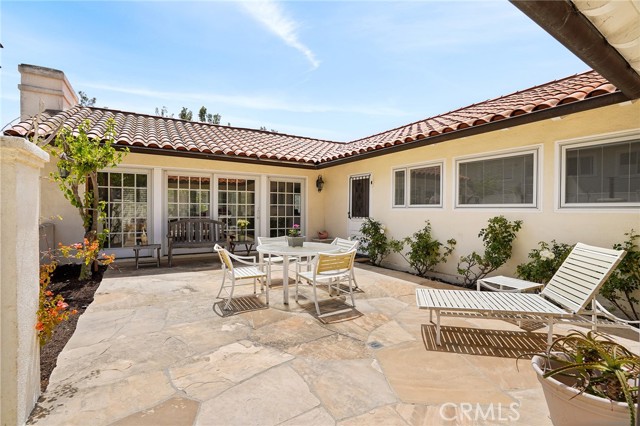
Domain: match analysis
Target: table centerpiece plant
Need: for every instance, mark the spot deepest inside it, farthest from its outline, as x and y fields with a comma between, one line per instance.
x=295, y=239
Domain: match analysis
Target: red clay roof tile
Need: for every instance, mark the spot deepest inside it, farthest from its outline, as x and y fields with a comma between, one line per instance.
x=164, y=133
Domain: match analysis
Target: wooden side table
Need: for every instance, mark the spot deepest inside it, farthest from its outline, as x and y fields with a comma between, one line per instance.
x=156, y=247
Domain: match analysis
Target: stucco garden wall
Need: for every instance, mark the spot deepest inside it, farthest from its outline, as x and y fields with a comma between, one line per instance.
x=20, y=163
x=593, y=226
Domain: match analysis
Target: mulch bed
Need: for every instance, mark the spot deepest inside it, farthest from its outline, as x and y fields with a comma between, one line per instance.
x=78, y=294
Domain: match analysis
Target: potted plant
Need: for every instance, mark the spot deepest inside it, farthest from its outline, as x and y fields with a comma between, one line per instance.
x=243, y=224
x=588, y=379
x=295, y=239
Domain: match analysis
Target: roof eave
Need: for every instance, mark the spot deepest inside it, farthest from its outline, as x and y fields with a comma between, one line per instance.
x=571, y=28
x=544, y=114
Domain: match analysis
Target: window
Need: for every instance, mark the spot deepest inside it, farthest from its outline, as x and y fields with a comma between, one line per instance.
x=188, y=196
x=285, y=206
x=507, y=180
x=125, y=195
x=237, y=200
x=601, y=174
x=423, y=184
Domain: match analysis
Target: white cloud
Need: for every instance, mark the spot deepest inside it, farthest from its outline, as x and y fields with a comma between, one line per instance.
x=249, y=102
x=274, y=18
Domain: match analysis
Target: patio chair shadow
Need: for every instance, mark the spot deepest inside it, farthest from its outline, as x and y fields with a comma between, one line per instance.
x=239, y=305
x=338, y=309
x=484, y=342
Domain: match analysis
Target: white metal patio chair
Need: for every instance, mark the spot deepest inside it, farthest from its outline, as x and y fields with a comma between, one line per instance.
x=271, y=260
x=348, y=245
x=568, y=296
x=329, y=269
x=250, y=270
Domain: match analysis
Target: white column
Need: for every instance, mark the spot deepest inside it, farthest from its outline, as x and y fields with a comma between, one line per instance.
x=20, y=164
x=157, y=209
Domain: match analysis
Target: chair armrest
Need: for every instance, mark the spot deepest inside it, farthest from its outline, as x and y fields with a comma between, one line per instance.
x=244, y=259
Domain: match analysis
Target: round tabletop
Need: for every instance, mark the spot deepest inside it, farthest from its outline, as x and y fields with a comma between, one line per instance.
x=307, y=249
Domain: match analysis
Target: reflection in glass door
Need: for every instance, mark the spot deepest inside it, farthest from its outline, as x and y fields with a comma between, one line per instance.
x=188, y=196
x=285, y=206
x=237, y=204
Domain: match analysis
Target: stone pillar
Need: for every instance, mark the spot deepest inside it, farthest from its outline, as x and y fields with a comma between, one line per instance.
x=20, y=164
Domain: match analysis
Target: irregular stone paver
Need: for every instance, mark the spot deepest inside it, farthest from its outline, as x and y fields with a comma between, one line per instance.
x=151, y=338
x=269, y=398
x=209, y=375
x=346, y=388
x=175, y=411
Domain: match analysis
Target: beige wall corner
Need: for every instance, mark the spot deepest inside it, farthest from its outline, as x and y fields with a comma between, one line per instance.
x=20, y=164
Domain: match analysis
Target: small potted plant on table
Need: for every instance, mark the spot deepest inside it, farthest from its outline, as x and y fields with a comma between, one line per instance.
x=242, y=224
x=295, y=239
x=588, y=379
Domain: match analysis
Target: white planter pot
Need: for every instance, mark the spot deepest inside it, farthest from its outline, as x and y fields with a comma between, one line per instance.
x=569, y=407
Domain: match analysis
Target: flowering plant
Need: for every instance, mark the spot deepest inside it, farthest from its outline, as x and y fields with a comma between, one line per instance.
x=242, y=223
x=88, y=252
x=52, y=309
x=544, y=261
x=295, y=230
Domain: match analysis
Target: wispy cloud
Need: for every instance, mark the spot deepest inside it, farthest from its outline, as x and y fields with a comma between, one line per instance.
x=266, y=103
x=274, y=18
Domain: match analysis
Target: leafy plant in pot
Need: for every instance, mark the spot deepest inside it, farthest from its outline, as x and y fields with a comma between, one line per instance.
x=588, y=379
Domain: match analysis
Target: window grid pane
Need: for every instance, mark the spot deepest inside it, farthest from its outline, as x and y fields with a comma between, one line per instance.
x=285, y=208
x=398, y=187
x=125, y=195
x=424, y=184
x=236, y=201
x=185, y=199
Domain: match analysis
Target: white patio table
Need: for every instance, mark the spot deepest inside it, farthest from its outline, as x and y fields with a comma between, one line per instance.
x=308, y=249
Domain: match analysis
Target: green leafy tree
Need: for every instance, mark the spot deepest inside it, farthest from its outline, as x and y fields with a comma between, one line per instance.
x=625, y=279
x=185, y=114
x=202, y=114
x=85, y=100
x=497, y=239
x=425, y=252
x=163, y=112
x=80, y=159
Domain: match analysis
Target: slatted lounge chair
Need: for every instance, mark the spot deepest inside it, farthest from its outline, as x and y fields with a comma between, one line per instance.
x=568, y=295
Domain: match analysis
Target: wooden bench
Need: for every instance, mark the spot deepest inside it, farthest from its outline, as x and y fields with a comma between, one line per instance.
x=195, y=233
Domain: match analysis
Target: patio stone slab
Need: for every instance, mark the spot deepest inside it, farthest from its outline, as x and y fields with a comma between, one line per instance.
x=418, y=376
x=290, y=332
x=209, y=375
x=316, y=417
x=335, y=346
x=270, y=398
x=346, y=388
x=390, y=334
x=176, y=411
x=381, y=416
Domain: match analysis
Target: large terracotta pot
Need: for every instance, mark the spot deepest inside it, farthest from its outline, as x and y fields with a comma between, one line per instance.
x=569, y=407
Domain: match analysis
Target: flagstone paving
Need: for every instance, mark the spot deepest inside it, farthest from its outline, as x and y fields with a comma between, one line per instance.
x=155, y=348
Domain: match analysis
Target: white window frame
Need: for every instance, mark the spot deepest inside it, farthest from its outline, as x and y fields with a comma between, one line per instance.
x=537, y=153
x=597, y=140
x=407, y=185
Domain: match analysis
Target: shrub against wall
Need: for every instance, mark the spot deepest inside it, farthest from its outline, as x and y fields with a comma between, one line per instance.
x=425, y=252
x=625, y=279
x=374, y=241
x=544, y=262
x=497, y=239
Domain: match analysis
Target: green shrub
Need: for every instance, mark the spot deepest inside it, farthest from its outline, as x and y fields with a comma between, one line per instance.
x=497, y=239
x=625, y=279
x=425, y=252
x=544, y=263
x=375, y=242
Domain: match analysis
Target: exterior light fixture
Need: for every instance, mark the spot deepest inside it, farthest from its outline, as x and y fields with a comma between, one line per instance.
x=63, y=171
x=319, y=183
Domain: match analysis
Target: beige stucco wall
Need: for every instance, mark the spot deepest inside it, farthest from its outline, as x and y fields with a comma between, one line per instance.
x=328, y=209
x=20, y=162
x=593, y=226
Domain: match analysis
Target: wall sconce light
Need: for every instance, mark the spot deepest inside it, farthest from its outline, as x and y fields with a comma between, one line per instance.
x=319, y=183
x=63, y=171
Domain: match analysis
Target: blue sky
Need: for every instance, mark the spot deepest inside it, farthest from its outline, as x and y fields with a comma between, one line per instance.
x=337, y=70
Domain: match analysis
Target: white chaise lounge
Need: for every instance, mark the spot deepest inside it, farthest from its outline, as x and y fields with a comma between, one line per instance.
x=569, y=295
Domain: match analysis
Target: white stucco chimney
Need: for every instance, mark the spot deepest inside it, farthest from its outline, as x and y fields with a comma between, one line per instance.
x=44, y=84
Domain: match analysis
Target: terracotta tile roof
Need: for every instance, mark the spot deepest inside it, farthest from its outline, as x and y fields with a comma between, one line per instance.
x=162, y=133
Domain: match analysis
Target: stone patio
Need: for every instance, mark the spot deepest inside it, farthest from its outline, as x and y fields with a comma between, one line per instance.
x=155, y=348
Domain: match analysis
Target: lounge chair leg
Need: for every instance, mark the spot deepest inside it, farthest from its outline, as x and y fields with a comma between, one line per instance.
x=438, y=328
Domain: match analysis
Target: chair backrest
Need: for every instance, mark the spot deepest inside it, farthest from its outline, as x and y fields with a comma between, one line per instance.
x=330, y=263
x=268, y=240
x=224, y=257
x=345, y=245
x=581, y=275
